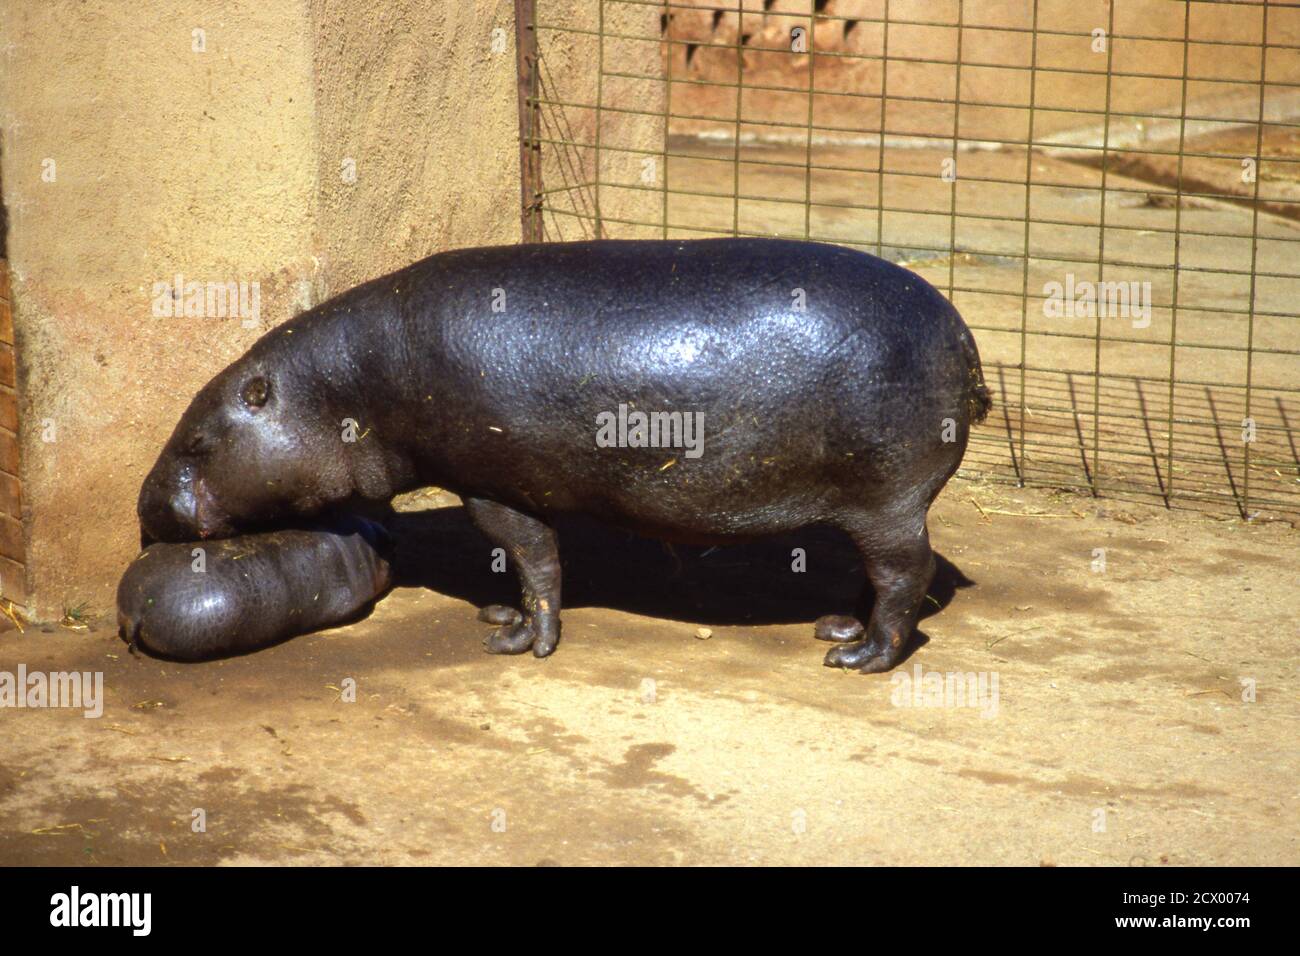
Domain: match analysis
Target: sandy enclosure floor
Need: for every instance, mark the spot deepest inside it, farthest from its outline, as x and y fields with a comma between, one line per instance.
x=1121, y=731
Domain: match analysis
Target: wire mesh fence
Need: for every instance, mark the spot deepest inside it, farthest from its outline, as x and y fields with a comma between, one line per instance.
x=1108, y=192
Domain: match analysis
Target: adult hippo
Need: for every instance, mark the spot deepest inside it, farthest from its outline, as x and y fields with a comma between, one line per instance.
x=702, y=391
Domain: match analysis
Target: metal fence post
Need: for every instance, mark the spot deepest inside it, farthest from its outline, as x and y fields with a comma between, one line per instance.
x=530, y=154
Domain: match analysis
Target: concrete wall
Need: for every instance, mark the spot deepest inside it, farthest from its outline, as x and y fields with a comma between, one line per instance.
x=13, y=567
x=135, y=149
x=415, y=95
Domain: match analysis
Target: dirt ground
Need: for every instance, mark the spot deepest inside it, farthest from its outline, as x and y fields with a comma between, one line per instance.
x=1121, y=728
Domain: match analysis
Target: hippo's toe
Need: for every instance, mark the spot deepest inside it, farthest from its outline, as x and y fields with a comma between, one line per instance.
x=539, y=632
x=499, y=614
x=511, y=639
x=839, y=628
x=868, y=657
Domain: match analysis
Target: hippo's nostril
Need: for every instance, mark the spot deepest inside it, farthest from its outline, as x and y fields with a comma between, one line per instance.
x=198, y=444
x=166, y=515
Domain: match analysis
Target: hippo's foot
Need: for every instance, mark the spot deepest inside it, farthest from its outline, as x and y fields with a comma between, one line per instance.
x=531, y=543
x=499, y=614
x=899, y=566
x=516, y=633
x=852, y=651
x=868, y=657
x=839, y=628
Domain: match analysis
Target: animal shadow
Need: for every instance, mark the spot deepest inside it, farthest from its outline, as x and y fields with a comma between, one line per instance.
x=750, y=583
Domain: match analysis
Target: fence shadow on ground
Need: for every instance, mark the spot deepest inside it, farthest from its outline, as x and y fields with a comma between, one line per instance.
x=1119, y=436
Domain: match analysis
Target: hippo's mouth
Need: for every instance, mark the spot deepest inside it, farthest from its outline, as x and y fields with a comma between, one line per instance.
x=209, y=518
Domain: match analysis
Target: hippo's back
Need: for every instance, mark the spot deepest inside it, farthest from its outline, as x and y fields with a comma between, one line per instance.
x=747, y=294
x=706, y=323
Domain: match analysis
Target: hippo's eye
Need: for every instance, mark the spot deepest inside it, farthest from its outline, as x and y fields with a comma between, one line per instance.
x=255, y=392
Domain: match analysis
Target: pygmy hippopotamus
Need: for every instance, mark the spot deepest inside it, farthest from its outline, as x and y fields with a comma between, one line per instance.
x=199, y=601
x=701, y=391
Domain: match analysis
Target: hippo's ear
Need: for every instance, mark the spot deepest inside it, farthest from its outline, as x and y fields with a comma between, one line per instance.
x=256, y=392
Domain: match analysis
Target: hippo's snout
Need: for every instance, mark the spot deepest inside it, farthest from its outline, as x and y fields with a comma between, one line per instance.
x=175, y=505
x=166, y=507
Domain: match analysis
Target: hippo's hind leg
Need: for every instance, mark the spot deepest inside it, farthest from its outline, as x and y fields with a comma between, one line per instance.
x=531, y=545
x=899, y=567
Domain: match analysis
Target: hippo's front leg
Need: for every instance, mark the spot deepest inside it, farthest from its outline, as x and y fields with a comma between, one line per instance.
x=532, y=546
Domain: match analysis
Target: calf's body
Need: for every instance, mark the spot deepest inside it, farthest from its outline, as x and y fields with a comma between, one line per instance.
x=197, y=601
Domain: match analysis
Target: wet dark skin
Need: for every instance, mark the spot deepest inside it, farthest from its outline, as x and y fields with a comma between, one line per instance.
x=253, y=590
x=835, y=388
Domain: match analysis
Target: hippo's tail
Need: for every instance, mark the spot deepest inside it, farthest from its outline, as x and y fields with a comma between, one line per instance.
x=979, y=398
x=128, y=629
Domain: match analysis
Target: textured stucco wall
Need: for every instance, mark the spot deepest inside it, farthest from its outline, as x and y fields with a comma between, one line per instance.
x=422, y=102
x=221, y=164
x=135, y=150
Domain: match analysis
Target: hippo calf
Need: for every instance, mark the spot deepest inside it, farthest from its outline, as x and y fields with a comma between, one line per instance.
x=244, y=593
x=823, y=386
